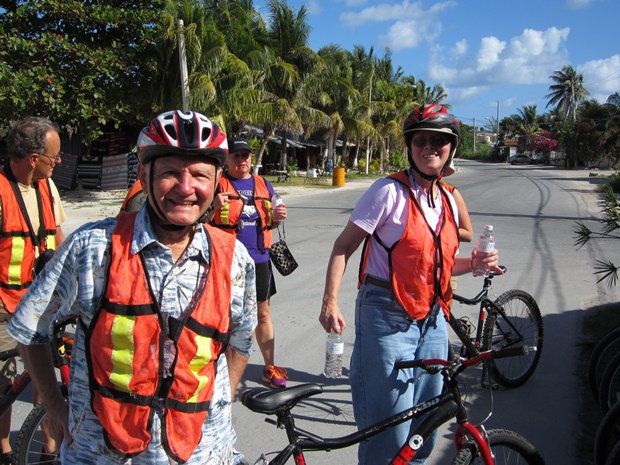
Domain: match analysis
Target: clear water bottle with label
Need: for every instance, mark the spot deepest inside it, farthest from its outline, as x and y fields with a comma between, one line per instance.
x=334, y=352
x=486, y=244
x=276, y=200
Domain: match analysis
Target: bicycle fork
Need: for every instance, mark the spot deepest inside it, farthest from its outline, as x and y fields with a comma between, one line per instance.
x=479, y=435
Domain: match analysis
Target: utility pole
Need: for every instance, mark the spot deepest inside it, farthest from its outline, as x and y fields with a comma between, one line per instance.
x=368, y=139
x=183, y=65
x=474, y=137
x=497, y=134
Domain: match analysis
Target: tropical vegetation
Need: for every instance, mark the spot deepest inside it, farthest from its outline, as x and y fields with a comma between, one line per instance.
x=94, y=64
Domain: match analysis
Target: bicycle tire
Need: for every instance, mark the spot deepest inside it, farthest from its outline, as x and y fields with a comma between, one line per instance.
x=508, y=448
x=609, y=388
x=614, y=456
x=29, y=443
x=524, y=314
x=607, y=435
x=603, y=352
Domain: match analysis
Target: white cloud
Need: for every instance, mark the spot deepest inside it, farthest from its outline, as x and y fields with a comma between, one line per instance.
x=460, y=48
x=601, y=77
x=525, y=59
x=576, y=4
x=488, y=55
x=411, y=23
x=408, y=34
x=314, y=7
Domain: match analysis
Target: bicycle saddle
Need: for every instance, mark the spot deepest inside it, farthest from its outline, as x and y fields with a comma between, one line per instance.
x=269, y=401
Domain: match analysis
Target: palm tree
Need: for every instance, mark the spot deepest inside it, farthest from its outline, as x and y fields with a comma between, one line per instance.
x=290, y=77
x=426, y=95
x=567, y=92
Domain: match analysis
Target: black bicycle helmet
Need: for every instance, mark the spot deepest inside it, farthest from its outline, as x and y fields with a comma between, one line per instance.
x=432, y=117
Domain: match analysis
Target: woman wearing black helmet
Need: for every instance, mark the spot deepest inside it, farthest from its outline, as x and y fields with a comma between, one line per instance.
x=410, y=227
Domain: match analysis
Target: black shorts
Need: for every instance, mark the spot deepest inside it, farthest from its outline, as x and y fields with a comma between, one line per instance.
x=265, y=282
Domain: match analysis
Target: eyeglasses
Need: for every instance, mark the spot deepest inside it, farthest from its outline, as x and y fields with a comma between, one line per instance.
x=434, y=141
x=241, y=155
x=56, y=158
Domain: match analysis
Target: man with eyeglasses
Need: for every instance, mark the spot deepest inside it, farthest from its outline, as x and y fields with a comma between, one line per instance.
x=30, y=217
x=243, y=206
x=409, y=225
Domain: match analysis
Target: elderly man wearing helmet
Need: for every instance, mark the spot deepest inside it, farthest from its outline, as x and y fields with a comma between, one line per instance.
x=409, y=224
x=166, y=308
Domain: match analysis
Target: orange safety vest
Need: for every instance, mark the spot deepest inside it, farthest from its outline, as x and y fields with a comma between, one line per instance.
x=421, y=261
x=134, y=190
x=125, y=350
x=228, y=217
x=17, y=248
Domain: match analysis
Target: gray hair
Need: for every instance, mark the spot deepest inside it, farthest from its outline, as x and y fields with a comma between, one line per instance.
x=29, y=136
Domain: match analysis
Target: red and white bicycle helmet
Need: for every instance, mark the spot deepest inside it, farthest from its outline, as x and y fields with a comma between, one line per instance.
x=182, y=133
x=433, y=117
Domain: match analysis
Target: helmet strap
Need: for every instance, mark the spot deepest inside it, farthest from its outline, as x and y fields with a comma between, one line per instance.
x=428, y=177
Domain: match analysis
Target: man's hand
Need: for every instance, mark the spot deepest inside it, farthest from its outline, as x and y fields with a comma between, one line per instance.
x=221, y=199
x=331, y=319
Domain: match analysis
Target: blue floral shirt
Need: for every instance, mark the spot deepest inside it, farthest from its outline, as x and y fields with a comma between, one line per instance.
x=71, y=285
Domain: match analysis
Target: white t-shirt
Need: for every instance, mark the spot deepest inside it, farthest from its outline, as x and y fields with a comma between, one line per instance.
x=383, y=208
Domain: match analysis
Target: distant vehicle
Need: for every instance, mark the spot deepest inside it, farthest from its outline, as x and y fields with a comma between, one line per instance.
x=539, y=158
x=520, y=159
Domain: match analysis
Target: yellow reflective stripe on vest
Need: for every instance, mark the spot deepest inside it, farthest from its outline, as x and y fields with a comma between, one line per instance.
x=50, y=242
x=224, y=212
x=200, y=360
x=122, y=355
x=17, y=257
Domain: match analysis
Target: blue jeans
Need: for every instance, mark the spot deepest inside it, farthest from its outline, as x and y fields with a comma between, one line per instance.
x=385, y=334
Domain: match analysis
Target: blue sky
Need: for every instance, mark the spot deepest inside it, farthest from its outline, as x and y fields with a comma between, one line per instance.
x=482, y=51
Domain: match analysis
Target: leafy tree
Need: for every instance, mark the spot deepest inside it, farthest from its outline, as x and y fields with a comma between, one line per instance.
x=593, y=136
x=82, y=64
x=567, y=92
x=544, y=143
x=288, y=79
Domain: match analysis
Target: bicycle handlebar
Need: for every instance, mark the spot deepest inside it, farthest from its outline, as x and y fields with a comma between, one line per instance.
x=432, y=364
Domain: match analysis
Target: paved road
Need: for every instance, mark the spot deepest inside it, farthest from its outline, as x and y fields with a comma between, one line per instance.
x=533, y=210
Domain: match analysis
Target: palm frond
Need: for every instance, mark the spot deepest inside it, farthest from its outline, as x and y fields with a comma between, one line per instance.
x=609, y=272
x=583, y=234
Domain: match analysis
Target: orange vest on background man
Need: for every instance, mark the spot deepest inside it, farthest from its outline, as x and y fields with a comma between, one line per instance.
x=228, y=217
x=125, y=349
x=17, y=249
x=420, y=261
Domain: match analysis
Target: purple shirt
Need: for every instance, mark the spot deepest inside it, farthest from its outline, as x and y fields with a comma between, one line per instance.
x=249, y=234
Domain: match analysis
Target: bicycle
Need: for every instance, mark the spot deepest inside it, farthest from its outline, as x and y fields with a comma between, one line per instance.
x=609, y=388
x=474, y=444
x=608, y=437
x=512, y=320
x=61, y=350
x=601, y=358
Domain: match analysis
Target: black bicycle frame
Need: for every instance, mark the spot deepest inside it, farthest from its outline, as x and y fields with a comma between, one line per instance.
x=442, y=408
x=482, y=297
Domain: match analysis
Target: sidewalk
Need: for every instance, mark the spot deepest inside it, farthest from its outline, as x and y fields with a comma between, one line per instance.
x=87, y=205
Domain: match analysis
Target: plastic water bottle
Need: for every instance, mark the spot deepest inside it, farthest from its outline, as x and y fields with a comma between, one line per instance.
x=276, y=200
x=486, y=244
x=334, y=351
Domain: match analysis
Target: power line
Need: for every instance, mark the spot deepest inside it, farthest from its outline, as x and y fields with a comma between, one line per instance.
x=602, y=79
